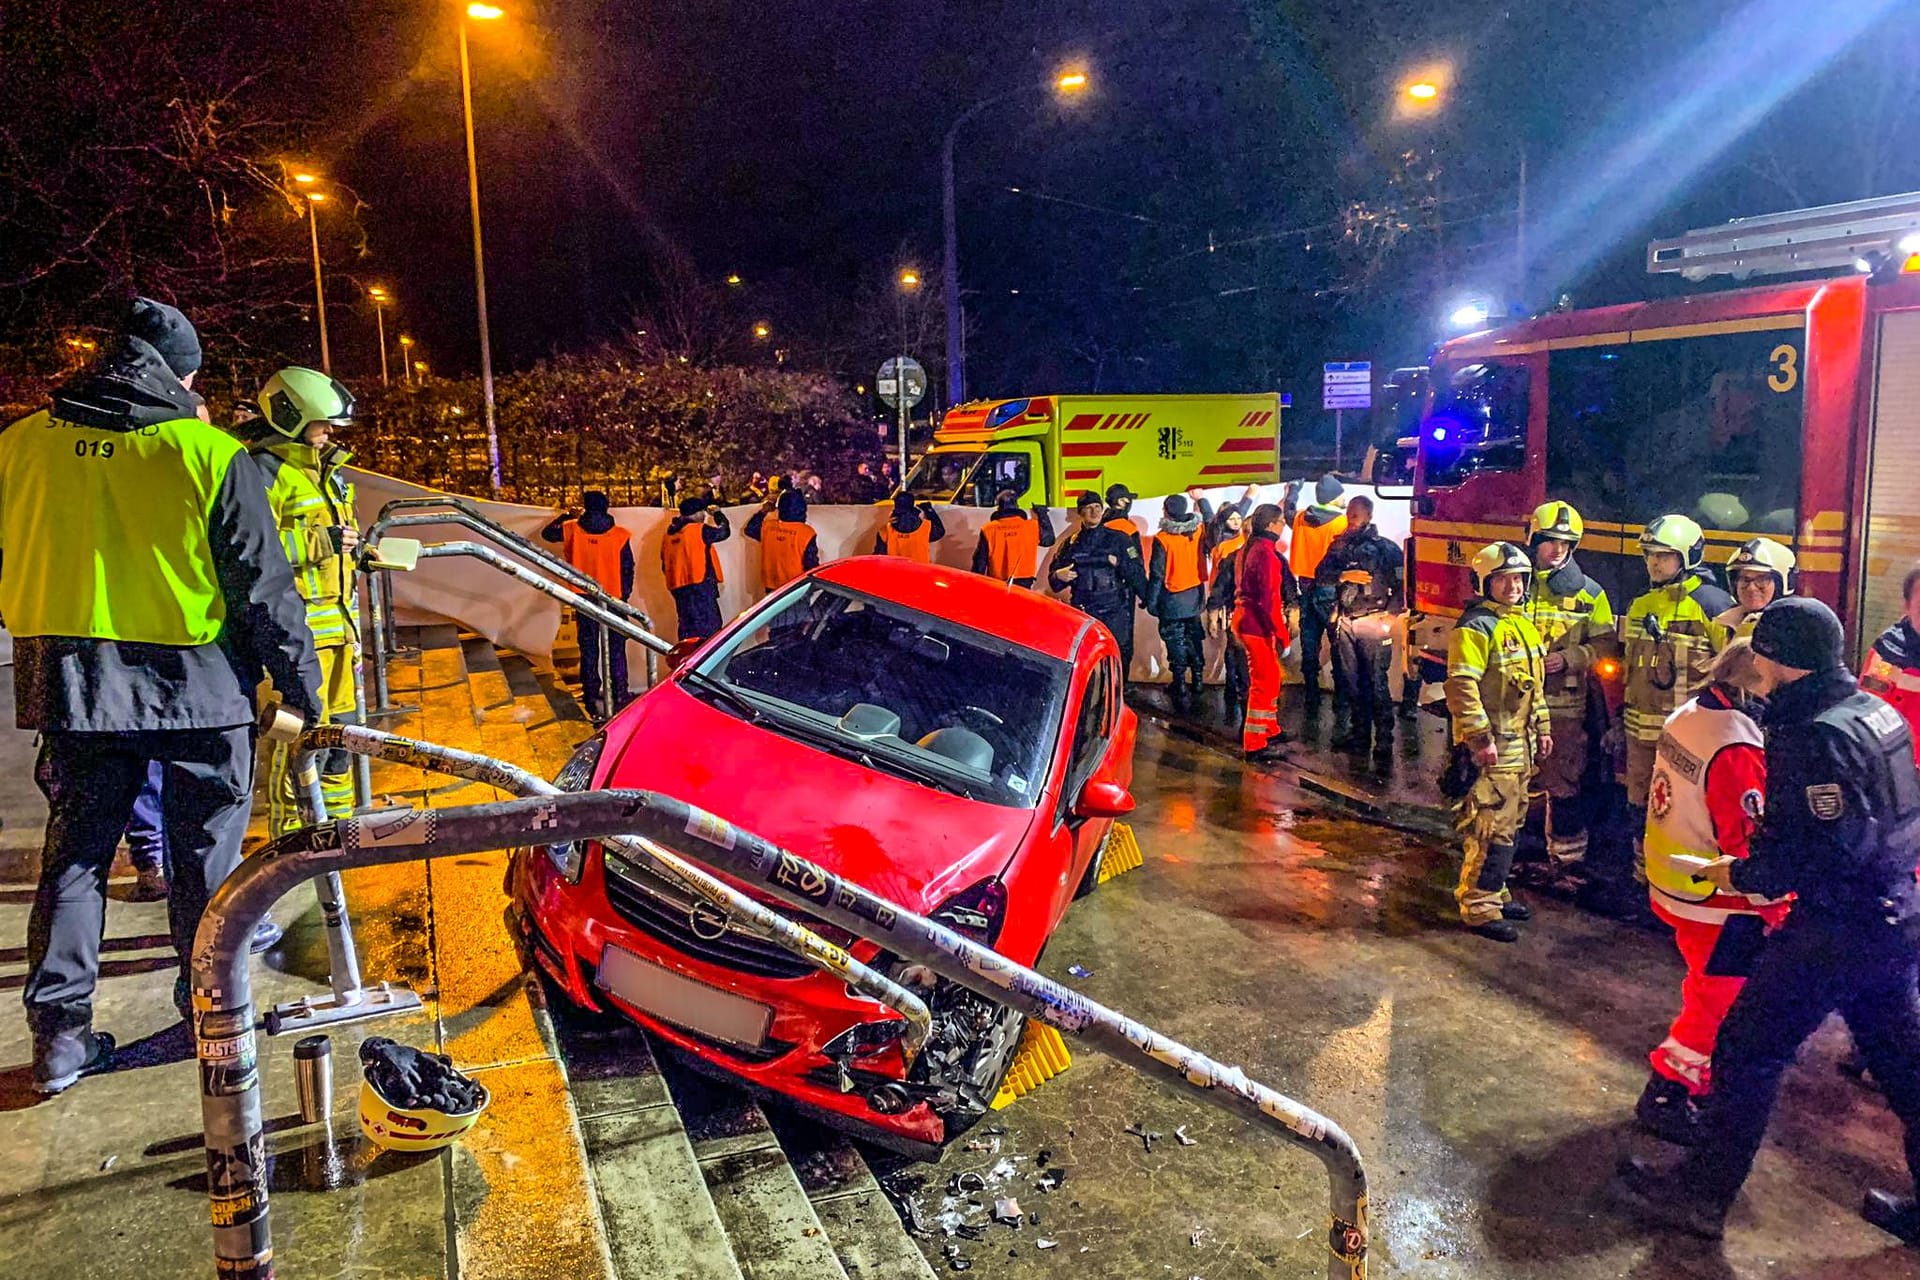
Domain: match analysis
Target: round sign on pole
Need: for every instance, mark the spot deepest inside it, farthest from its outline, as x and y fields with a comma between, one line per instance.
x=888, y=383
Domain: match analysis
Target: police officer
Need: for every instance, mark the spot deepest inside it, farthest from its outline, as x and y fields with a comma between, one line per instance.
x=1100, y=566
x=1841, y=832
x=146, y=591
x=692, y=568
x=1760, y=572
x=1364, y=570
x=1314, y=530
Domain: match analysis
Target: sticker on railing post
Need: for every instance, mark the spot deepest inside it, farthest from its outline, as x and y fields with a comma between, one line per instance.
x=706, y=826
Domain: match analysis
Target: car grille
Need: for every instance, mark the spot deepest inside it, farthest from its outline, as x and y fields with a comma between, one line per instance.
x=662, y=910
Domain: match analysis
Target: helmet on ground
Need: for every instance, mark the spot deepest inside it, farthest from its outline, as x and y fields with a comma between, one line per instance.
x=1497, y=558
x=1764, y=555
x=295, y=398
x=1556, y=520
x=1677, y=534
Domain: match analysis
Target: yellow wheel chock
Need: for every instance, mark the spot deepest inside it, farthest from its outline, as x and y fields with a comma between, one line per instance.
x=1122, y=854
x=1042, y=1055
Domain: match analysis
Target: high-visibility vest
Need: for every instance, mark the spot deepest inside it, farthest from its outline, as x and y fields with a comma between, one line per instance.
x=106, y=532
x=1678, y=821
x=1898, y=685
x=596, y=554
x=783, y=549
x=1013, y=547
x=1221, y=551
x=310, y=498
x=1184, y=569
x=1125, y=524
x=686, y=559
x=1310, y=542
x=916, y=546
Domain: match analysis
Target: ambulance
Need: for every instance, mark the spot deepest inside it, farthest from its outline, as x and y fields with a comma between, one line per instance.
x=1048, y=448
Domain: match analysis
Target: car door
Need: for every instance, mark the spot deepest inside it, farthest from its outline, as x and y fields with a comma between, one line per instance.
x=1092, y=733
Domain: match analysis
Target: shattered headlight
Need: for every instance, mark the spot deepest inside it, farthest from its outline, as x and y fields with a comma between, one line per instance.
x=575, y=775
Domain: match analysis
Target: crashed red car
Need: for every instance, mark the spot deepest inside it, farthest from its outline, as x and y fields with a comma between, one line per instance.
x=954, y=744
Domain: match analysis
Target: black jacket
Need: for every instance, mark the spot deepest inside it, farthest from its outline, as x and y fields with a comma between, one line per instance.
x=1363, y=550
x=1842, y=824
x=78, y=684
x=1106, y=563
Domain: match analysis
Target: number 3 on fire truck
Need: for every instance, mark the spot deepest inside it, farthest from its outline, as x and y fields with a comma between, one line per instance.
x=1786, y=368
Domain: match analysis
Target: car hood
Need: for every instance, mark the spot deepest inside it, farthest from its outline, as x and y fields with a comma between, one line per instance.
x=911, y=844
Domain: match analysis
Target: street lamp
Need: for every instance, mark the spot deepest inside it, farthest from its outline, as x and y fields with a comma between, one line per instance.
x=762, y=330
x=314, y=200
x=909, y=281
x=734, y=280
x=406, y=356
x=1425, y=93
x=381, y=298
x=1069, y=83
x=479, y=13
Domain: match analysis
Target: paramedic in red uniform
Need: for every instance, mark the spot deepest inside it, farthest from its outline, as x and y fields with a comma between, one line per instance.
x=1260, y=622
x=1893, y=664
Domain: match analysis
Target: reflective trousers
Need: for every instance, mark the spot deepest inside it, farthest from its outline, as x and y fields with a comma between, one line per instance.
x=339, y=705
x=1490, y=816
x=1686, y=1055
x=1563, y=777
x=1262, y=724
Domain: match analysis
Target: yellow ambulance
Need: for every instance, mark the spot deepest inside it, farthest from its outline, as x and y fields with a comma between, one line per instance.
x=1048, y=448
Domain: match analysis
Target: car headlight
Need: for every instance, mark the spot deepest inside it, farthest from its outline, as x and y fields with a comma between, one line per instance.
x=977, y=911
x=575, y=775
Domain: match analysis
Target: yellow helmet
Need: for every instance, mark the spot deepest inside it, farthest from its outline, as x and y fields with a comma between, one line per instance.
x=1557, y=520
x=1496, y=558
x=1675, y=533
x=394, y=1128
x=1764, y=555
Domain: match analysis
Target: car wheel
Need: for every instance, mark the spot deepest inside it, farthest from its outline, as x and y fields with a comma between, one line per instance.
x=990, y=1059
x=1091, y=881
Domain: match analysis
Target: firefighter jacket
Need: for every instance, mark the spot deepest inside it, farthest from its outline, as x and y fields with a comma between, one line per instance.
x=1364, y=570
x=1313, y=532
x=143, y=580
x=1739, y=622
x=1705, y=800
x=1893, y=673
x=1842, y=824
x=1010, y=542
x=1575, y=619
x=911, y=536
x=1108, y=575
x=687, y=557
x=1177, y=576
x=1261, y=607
x=1668, y=642
x=1494, y=676
x=312, y=500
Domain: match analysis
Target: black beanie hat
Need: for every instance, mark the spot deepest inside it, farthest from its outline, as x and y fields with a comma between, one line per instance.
x=1087, y=498
x=167, y=331
x=692, y=506
x=595, y=500
x=904, y=502
x=1800, y=632
x=1176, y=506
x=1119, y=493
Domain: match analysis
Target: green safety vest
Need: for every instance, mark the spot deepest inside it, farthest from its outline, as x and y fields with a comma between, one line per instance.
x=105, y=533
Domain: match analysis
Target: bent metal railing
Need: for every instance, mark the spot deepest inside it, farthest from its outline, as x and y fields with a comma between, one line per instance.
x=224, y=1014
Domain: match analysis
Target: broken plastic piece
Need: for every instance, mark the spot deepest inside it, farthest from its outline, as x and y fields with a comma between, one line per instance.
x=1007, y=1210
x=1044, y=1243
x=1147, y=1136
x=1079, y=971
x=1051, y=1179
x=1185, y=1141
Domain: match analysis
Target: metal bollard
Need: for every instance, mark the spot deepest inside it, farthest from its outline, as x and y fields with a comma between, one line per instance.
x=313, y=1078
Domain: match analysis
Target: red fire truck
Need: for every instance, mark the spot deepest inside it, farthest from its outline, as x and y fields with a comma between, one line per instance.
x=1790, y=410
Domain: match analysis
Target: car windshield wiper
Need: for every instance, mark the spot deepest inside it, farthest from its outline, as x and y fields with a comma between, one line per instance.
x=725, y=694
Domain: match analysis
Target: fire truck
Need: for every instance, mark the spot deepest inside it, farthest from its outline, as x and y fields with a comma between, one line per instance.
x=1788, y=409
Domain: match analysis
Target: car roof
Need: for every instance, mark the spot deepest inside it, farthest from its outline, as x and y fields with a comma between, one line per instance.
x=987, y=605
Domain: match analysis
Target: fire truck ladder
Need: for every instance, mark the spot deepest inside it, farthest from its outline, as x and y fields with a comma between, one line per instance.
x=1860, y=234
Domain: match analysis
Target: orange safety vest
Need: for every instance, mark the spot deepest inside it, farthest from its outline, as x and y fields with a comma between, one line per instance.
x=685, y=558
x=1184, y=570
x=1222, y=550
x=1013, y=548
x=783, y=549
x=596, y=554
x=1310, y=543
x=916, y=546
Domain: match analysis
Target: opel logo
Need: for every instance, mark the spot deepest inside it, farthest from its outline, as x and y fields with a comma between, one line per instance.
x=708, y=922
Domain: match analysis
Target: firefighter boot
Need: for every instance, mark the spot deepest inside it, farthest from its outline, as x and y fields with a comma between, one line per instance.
x=1668, y=1112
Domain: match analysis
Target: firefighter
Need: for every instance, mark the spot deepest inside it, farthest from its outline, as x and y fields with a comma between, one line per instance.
x=910, y=531
x=1260, y=623
x=1495, y=670
x=603, y=551
x=1176, y=593
x=1668, y=640
x=1893, y=664
x=313, y=506
x=1575, y=619
x=1709, y=783
x=692, y=567
x=788, y=545
x=145, y=589
x=1223, y=571
x=1010, y=541
x=1365, y=570
x=1314, y=530
x=1100, y=566
x=1841, y=833
x=1760, y=572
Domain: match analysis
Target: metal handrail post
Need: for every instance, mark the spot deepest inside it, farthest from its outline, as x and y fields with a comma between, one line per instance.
x=343, y=962
x=583, y=604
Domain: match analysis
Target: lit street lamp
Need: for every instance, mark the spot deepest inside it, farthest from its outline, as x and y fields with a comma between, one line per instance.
x=762, y=331
x=1424, y=94
x=1068, y=84
x=909, y=281
x=380, y=300
x=479, y=13
x=314, y=200
x=406, y=356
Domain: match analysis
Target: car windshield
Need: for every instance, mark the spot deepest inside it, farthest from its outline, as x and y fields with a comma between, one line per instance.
x=939, y=476
x=894, y=689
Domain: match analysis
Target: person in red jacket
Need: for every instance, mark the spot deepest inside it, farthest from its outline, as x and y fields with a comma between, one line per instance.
x=1893, y=664
x=1260, y=622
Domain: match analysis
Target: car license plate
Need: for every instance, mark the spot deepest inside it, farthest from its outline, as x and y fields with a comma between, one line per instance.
x=684, y=1001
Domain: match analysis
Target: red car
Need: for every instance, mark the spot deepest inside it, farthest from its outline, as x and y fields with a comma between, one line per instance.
x=925, y=732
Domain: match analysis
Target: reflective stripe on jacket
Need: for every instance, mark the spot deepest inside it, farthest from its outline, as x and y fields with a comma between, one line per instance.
x=310, y=498
x=1705, y=799
x=1668, y=641
x=1494, y=674
x=1574, y=618
x=1893, y=673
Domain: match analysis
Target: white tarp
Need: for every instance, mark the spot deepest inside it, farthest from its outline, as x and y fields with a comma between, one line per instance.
x=490, y=604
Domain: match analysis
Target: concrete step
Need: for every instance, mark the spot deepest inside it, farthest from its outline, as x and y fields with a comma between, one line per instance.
x=867, y=1234
x=774, y=1231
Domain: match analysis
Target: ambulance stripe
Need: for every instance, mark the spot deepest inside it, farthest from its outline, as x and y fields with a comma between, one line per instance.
x=1239, y=469
x=1083, y=422
x=1249, y=444
x=1091, y=449
x=1141, y=420
x=1246, y=420
x=1083, y=475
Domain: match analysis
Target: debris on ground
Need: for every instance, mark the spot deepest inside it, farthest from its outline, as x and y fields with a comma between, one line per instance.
x=108, y=1163
x=991, y=1146
x=1147, y=1136
x=1044, y=1243
x=1079, y=971
x=961, y=1184
x=1005, y=1168
x=956, y=1261
x=1051, y=1179
x=1006, y=1211
x=1185, y=1141
x=1199, y=1237
x=1044, y=1157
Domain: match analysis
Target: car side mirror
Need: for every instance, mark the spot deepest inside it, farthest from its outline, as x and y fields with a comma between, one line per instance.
x=1103, y=798
x=682, y=651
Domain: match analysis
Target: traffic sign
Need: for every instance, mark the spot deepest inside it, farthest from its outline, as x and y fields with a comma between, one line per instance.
x=1346, y=384
x=888, y=383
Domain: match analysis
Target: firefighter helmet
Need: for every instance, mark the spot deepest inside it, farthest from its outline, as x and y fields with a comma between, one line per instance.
x=1764, y=555
x=1497, y=558
x=1677, y=534
x=295, y=398
x=1557, y=520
